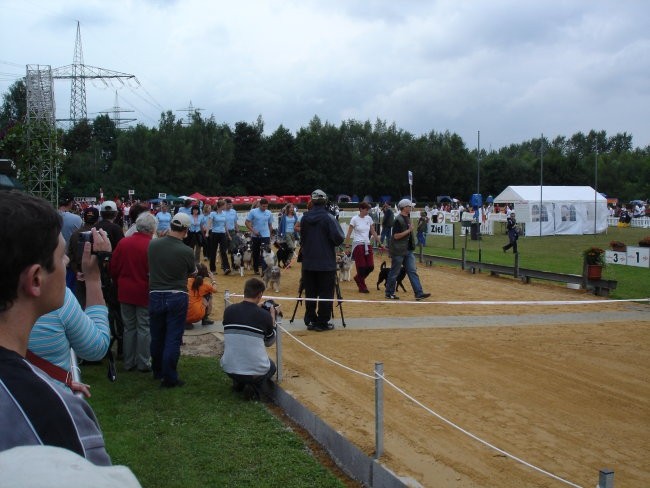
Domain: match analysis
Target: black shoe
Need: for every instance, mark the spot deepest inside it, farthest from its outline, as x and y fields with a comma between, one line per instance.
x=423, y=296
x=322, y=327
x=189, y=326
x=227, y=271
x=169, y=384
x=392, y=297
x=364, y=291
x=207, y=322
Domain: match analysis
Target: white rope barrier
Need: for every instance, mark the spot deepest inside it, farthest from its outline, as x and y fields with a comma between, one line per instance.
x=432, y=412
x=457, y=302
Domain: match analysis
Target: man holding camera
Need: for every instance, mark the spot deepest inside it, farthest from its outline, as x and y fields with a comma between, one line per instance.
x=320, y=234
x=248, y=330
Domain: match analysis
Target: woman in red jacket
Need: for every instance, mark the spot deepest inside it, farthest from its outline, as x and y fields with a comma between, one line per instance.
x=129, y=269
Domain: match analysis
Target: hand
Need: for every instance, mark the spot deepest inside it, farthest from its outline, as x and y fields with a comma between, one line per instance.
x=89, y=266
x=80, y=387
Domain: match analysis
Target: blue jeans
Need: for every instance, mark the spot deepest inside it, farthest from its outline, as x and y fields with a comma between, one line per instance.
x=409, y=264
x=386, y=232
x=167, y=313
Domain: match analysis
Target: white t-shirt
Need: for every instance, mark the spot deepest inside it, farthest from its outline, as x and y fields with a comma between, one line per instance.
x=361, y=228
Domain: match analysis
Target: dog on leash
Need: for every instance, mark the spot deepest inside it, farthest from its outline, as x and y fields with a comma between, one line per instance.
x=237, y=260
x=383, y=276
x=247, y=257
x=284, y=253
x=272, y=276
x=344, y=265
x=269, y=257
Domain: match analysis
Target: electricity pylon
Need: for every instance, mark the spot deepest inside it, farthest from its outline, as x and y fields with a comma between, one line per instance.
x=78, y=73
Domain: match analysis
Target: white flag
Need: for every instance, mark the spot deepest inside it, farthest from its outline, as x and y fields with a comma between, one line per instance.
x=410, y=177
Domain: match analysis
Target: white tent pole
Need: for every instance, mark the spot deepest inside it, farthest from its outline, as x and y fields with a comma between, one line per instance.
x=541, y=185
x=596, y=188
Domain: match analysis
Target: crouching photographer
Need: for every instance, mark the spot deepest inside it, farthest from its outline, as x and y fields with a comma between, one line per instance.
x=248, y=330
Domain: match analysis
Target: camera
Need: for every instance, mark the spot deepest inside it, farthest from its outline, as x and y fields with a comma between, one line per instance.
x=83, y=238
x=270, y=303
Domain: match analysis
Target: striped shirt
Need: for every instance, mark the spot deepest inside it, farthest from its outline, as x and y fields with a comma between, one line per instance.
x=68, y=327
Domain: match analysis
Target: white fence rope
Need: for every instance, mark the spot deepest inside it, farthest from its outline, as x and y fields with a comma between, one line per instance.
x=456, y=302
x=432, y=412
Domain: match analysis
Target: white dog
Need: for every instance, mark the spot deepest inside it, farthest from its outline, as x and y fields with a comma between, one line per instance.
x=269, y=257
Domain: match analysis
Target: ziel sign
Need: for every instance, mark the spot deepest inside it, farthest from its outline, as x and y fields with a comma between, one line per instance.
x=442, y=229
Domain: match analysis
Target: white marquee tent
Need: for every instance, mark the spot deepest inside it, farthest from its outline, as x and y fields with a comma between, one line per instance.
x=557, y=210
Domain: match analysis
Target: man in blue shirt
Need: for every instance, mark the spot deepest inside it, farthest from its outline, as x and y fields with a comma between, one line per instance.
x=260, y=224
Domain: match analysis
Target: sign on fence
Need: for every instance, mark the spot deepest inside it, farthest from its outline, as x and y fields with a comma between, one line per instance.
x=442, y=229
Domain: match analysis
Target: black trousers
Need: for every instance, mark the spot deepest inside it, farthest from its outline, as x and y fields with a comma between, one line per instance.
x=318, y=284
x=218, y=240
x=256, y=248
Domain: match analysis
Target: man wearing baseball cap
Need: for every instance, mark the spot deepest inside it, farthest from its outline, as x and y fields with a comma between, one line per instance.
x=171, y=262
x=320, y=233
x=402, y=245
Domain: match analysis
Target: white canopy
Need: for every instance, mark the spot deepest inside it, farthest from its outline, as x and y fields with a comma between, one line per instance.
x=551, y=210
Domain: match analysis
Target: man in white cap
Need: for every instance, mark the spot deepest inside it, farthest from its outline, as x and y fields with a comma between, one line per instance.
x=402, y=245
x=171, y=262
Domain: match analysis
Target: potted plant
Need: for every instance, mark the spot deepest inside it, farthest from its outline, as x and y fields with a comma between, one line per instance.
x=594, y=258
x=618, y=246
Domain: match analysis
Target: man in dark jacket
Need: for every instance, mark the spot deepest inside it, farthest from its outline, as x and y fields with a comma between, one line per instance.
x=320, y=233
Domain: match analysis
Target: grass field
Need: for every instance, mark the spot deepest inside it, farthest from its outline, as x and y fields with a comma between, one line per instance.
x=560, y=254
x=201, y=435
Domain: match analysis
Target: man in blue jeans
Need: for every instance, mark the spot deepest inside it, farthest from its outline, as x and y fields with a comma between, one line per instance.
x=171, y=262
x=402, y=245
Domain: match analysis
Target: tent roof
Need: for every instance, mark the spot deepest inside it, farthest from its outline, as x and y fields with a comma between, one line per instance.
x=525, y=194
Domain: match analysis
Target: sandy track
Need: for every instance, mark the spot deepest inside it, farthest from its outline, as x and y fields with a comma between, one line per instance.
x=568, y=398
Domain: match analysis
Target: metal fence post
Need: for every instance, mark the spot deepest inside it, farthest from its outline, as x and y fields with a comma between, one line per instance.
x=606, y=478
x=379, y=410
x=278, y=349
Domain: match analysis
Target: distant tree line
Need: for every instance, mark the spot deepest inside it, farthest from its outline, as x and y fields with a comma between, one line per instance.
x=355, y=157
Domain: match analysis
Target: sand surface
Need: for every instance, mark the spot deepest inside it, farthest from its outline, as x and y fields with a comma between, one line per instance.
x=569, y=397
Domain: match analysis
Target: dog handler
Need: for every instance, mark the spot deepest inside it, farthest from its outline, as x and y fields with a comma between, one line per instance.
x=360, y=228
x=402, y=245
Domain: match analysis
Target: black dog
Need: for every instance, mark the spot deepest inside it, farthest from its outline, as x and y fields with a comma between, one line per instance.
x=283, y=253
x=383, y=276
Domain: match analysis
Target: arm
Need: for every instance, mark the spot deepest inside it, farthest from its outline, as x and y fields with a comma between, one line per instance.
x=88, y=332
x=397, y=234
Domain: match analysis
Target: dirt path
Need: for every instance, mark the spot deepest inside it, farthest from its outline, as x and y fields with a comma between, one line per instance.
x=570, y=398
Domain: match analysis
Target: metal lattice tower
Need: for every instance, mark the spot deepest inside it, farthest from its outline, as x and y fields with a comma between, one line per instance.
x=119, y=121
x=78, y=73
x=42, y=169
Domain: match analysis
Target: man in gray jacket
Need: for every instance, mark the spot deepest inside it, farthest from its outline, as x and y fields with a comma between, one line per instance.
x=320, y=233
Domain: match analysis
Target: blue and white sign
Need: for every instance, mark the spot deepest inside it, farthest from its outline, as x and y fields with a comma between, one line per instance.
x=442, y=229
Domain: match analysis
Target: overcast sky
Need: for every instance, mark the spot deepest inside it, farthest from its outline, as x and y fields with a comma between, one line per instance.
x=509, y=69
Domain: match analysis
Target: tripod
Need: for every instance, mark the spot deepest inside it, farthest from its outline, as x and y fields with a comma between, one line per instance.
x=339, y=298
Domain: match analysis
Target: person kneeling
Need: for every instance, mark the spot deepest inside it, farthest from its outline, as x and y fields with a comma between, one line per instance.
x=200, y=289
x=248, y=329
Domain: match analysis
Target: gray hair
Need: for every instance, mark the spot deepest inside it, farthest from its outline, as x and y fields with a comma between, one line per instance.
x=146, y=223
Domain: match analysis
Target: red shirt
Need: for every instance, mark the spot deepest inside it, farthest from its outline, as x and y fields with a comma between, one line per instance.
x=130, y=269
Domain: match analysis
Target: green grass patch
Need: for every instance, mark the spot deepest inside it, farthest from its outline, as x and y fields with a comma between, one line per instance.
x=559, y=254
x=200, y=435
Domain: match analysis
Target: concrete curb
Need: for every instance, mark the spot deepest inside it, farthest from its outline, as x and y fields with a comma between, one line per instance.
x=346, y=455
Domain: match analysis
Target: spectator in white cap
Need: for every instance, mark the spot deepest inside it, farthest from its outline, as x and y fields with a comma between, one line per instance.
x=171, y=262
x=402, y=245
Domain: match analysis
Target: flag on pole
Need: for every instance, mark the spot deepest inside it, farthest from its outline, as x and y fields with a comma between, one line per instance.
x=410, y=177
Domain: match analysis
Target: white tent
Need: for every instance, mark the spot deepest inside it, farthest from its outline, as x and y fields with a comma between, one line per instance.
x=557, y=210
